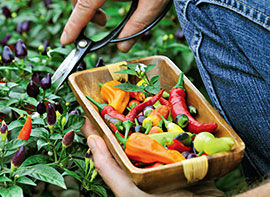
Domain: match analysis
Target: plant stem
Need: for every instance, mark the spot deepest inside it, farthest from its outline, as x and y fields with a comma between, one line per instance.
x=62, y=151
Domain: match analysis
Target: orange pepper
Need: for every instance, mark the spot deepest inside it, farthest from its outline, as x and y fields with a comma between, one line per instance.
x=26, y=130
x=141, y=147
x=115, y=97
x=155, y=114
x=155, y=129
x=140, y=96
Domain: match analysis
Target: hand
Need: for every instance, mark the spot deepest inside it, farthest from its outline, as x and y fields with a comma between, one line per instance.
x=108, y=169
x=86, y=10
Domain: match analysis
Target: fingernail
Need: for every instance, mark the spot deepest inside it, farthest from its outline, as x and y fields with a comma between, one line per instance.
x=63, y=38
x=91, y=143
x=125, y=46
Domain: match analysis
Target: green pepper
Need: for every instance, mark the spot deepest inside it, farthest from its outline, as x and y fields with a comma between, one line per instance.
x=201, y=139
x=116, y=122
x=165, y=138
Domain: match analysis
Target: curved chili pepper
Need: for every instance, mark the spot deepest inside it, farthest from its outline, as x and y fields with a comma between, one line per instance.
x=107, y=109
x=164, y=101
x=26, y=130
x=138, y=108
x=179, y=146
x=140, y=96
x=178, y=103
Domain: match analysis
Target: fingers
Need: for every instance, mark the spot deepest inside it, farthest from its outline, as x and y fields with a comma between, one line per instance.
x=112, y=174
x=146, y=12
x=88, y=128
x=84, y=11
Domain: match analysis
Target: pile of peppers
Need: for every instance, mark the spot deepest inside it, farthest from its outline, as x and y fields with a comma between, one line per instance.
x=159, y=129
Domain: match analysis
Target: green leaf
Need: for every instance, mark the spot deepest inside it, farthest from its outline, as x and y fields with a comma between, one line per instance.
x=11, y=191
x=60, y=50
x=43, y=69
x=43, y=173
x=19, y=111
x=99, y=190
x=75, y=122
x=15, y=143
x=41, y=143
x=129, y=87
x=154, y=89
x=56, y=136
x=15, y=124
x=40, y=159
x=154, y=79
x=38, y=121
x=8, y=68
x=149, y=67
x=40, y=132
x=26, y=181
x=127, y=71
x=75, y=175
x=5, y=179
x=80, y=163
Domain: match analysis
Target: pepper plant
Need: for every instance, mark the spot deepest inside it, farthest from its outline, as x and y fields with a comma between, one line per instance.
x=40, y=134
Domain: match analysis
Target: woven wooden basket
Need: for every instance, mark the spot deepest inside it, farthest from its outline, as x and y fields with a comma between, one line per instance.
x=167, y=177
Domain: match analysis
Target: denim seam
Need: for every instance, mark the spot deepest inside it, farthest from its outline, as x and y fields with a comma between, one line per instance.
x=243, y=13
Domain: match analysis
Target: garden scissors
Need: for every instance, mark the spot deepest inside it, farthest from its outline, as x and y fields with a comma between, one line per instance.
x=84, y=45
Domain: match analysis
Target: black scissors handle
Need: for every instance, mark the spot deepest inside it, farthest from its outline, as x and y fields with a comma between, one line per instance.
x=110, y=38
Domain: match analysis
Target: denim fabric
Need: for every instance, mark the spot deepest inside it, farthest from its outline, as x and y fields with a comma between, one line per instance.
x=231, y=43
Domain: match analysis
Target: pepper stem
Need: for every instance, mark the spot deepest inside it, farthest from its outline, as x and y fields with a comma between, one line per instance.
x=200, y=153
x=180, y=81
x=136, y=122
x=127, y=125
x=100, y=85
x=99, y=105
x=166, y=122
x=160, y=123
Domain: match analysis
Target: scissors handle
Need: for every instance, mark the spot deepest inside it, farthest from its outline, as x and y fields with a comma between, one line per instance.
x=110, y=38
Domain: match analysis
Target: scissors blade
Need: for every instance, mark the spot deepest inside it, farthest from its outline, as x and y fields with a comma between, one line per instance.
x=65, y=68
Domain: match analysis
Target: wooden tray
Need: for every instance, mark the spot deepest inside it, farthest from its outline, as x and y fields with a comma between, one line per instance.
x=167, y=177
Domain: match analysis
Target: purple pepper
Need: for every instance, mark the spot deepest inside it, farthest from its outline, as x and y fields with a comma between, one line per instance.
x=75, y=111
x=32, y=89
x=179, y=35
x=191, y=155
x=7, y=55
x=47, y=4
x=146, y=36
x=19, y=27
x=4, y=129
x=18, y=158
x=46, y=82
x=68, y=138
x=140, y=119
x=36, y=78
x=6, y=11
x=20, y=49
x=185, y=154
x=25, y=26
x=100, y=62
x=51, y=115
x=58, y=107
x=88, y=154
x=45, y=45
x=41, y=108
x=4, y=41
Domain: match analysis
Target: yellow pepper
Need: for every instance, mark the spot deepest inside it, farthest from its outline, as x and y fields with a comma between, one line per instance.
x=115, y=97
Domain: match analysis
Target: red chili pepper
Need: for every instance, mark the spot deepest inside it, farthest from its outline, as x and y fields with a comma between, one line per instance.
x=112, y=112
x=164, y=101
x=138, y=108
x=113, y=127
x=178, y=103
x=107, y=109
x=179, y=146
x=140, y=96
x=26, y=130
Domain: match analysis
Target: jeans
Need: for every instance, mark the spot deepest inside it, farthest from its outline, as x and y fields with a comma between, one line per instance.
x=230, y=40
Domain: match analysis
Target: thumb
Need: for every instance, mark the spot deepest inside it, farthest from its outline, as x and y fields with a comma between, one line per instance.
x=145, y=13
x=112, y=174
